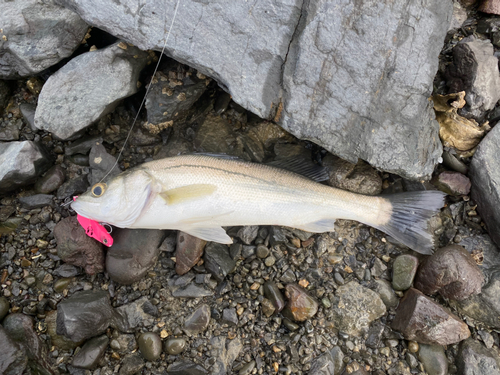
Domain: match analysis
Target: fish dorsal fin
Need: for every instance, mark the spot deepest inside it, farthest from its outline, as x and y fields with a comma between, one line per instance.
x=302, y=166
x=215, y=234
x=186, y=193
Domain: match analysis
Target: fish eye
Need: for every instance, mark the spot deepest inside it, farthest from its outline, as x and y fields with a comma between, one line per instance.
x=98, y=189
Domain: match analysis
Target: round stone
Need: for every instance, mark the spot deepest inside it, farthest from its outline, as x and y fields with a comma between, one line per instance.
x=150, y=346
x=175, y=345
x=413, y=346
x=4, y=307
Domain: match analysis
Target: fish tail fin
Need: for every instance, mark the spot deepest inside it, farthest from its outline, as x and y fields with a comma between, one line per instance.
x=409, y=218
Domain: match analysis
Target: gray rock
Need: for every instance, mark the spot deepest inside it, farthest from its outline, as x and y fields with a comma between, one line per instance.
x=191, y=291
x=403, y=271
x=123, y=343
x=59, y=341
x=132, y=364
x=91, y=353
x=329, y=363
x=172, y=93
x=306, y=55
x=20, y=329
x=9, y=131
x=218, y=261
x=185, y=367
x=22, y=162
x=188, y=252
x=433, y=359
x=134, y=314
x=4, y=95
x=150, y=345
x=175, y=345
x=82, y=145
x=485, y=176
x=452, y=183
x=36, y=201
x=386, y=293
x=133, y=253
x=50, y=181
x=230, y=317
x=85, y=314
x=13, y=360
x=225, y=351
x=87, y=88
x=28, y=112
x=473, y=358
x=66, y=270
x=102, y=164
x=35, y=36
x=248, y=233
x=198, y=321
x=475, y=71
x=272, y=292
x=355, y=307
x=4, y=307
x=73, y=187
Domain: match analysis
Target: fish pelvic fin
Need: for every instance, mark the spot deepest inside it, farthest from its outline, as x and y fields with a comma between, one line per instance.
x=409, y=218
x=214, y=234
x=187, y=193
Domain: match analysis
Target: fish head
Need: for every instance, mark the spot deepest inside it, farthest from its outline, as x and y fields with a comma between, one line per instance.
x=119, y=201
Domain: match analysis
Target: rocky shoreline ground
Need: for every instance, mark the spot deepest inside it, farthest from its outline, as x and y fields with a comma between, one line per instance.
x=278, y=300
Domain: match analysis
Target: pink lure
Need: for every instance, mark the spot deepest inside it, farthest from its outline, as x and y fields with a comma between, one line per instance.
x=95, y=230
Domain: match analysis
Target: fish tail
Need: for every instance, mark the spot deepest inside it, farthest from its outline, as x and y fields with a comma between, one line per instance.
x=409, y=218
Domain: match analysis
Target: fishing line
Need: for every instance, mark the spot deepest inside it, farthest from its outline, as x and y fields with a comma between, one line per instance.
x=147, y=88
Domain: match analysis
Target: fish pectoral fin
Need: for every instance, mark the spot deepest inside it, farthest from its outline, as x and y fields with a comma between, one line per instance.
x=186, y=193
x=214, y=234
x=320, y=226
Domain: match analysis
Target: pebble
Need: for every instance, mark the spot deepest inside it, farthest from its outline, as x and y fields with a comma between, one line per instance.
x=272, y=292
x=474, y=358
x=91, y=353
x=267, y=307
x=4, y=307
x=421, y=319
x=230, y=317
x=301, y=305
x=452, y=183
x=175, y=345
x=131, y=364
x=404, y=270
x=452, y=272
x=269, y=261
x=262, y=251
x=61, y=284
x=51, y=181
x=198, y=321
x=188, y=252
x=386, y=293
x=150, y=346
x=218, y=261
x=247, y=369
x=434, y=359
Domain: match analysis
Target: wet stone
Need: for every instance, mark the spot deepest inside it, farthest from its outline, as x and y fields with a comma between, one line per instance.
x=123, y=343
x=73, y=187
x=4, y=307
x=262, y=251
x=66, y=270
x=188, y=252
x=374, y=335
x=131, y=364
x=13, y=360
x=50, y=181
x=61, y=284
x=301, y=305
x=59, y=341
x=176, y=345
x=76, y=248
x=91, y=353
x=247, y=369
x=218, y=261
x=355, y=307
x=273, y=294
x=421, y=319
x=84, y=315
x=198, y=321
x=473, y=358
x=150, y=346
x=134, y=314
x=133, y=253
x=450, y=271
x=230, y=317
x=404, y=270
x=452, y=183
x=82, y=145
x=434, y=359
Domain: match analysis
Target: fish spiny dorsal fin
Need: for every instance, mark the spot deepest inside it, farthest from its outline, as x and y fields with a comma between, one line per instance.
x=302, y=166
x=186, y=193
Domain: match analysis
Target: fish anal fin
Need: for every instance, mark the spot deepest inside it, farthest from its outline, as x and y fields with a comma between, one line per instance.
x=320, y=226
x=188, y=192
x=214, y=234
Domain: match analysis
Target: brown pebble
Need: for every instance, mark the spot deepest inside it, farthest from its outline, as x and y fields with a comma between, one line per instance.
x=301, y=306
x=188, y=252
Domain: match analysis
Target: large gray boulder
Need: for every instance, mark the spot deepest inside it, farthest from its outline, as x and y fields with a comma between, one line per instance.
x=352, y=77
x=36, y=35
x=87, y=88
x=484, y=173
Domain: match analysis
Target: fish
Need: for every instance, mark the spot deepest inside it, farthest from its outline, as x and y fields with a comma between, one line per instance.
x=201, y=194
